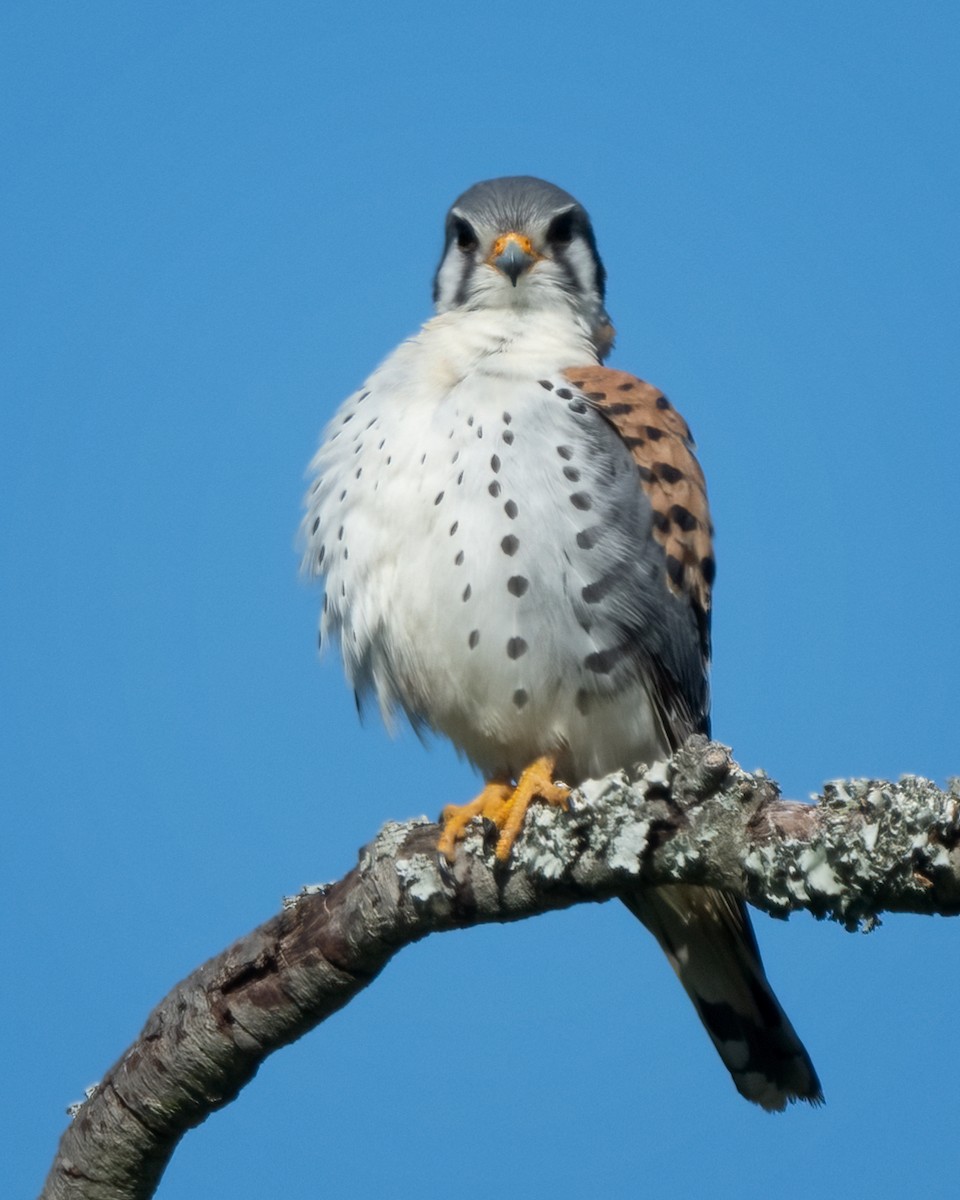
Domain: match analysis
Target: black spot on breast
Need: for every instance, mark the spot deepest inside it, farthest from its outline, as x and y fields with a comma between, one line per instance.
x=683, y=518
x=473, y=639
x=321, y=554
x=340, y=534
x=439, y=497
x=520, y=697
x=343, y=495
x=667, y=472
x=458, y=561
x=383, y=442
x=663, y=403
x=517, y=585
x=507, y=418
x=545, y=383
x=596, y=397
x=423, y=458
x=594, y=592
x=565, y=452
x=362, y=397
x=572, y=474
x=516, y=647
x=577, y=406
x=602, y=662
x=564, y=394
x=459, y=479
x=582, y=501
x=470, y=421
x=454, y=527
x=467, y=593
x=511, y=509
x=494, y=488
x=508, y=437
x=455, y=457
x=582, y=701
x=588, y=538
x=510, y=545
x=316, y=525
x=495, y=464
x=348, y=417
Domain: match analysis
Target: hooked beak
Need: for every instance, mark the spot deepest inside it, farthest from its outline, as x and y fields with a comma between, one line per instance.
x=512, y=254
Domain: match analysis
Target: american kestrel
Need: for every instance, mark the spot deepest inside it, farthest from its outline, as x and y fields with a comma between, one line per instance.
x=517, y=552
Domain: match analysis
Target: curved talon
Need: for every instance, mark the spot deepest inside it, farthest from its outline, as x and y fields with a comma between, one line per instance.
x=506, y=806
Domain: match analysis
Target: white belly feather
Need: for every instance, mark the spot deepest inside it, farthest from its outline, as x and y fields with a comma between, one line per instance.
x=485, y=544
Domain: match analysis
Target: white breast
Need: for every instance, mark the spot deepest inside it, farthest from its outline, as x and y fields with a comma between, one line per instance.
x=486, y=546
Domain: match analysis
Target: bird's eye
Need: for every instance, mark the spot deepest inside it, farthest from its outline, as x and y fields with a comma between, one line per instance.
x=466, y=238
x=562, y=228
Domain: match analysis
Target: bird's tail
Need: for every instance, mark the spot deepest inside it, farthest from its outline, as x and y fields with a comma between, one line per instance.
x=707, y=936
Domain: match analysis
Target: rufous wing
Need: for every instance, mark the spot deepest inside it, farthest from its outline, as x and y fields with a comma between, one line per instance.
x=662, y=447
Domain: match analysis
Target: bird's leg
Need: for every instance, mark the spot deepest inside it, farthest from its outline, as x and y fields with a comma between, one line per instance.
x=536, y=782
x=504, y=805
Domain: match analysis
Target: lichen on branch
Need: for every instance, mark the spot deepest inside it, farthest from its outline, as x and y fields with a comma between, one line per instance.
x=865, y=848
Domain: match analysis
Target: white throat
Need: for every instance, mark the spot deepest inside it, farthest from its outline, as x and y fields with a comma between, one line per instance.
x=508, y=341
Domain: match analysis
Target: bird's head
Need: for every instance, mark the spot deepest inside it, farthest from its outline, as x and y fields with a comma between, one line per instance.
x=522, y=243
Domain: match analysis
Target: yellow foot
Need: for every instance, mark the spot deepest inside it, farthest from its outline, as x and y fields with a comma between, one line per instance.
x=455, y=818
x=505, y=806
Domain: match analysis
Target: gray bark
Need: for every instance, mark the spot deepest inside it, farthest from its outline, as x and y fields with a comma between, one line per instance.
x=867, y=847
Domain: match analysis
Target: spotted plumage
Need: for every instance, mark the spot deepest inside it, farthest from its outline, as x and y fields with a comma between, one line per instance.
x=662, y=447
x=517, y=554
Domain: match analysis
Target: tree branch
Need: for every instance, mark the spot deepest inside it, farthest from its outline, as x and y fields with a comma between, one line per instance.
x=865, y=848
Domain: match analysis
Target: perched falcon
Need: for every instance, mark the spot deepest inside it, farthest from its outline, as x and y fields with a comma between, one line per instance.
x=517, y=551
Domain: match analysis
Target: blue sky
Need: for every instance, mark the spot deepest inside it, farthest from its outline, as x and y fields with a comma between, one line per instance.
x=217, y=219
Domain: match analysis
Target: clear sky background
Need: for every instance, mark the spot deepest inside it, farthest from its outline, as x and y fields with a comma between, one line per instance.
x=217, y=219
